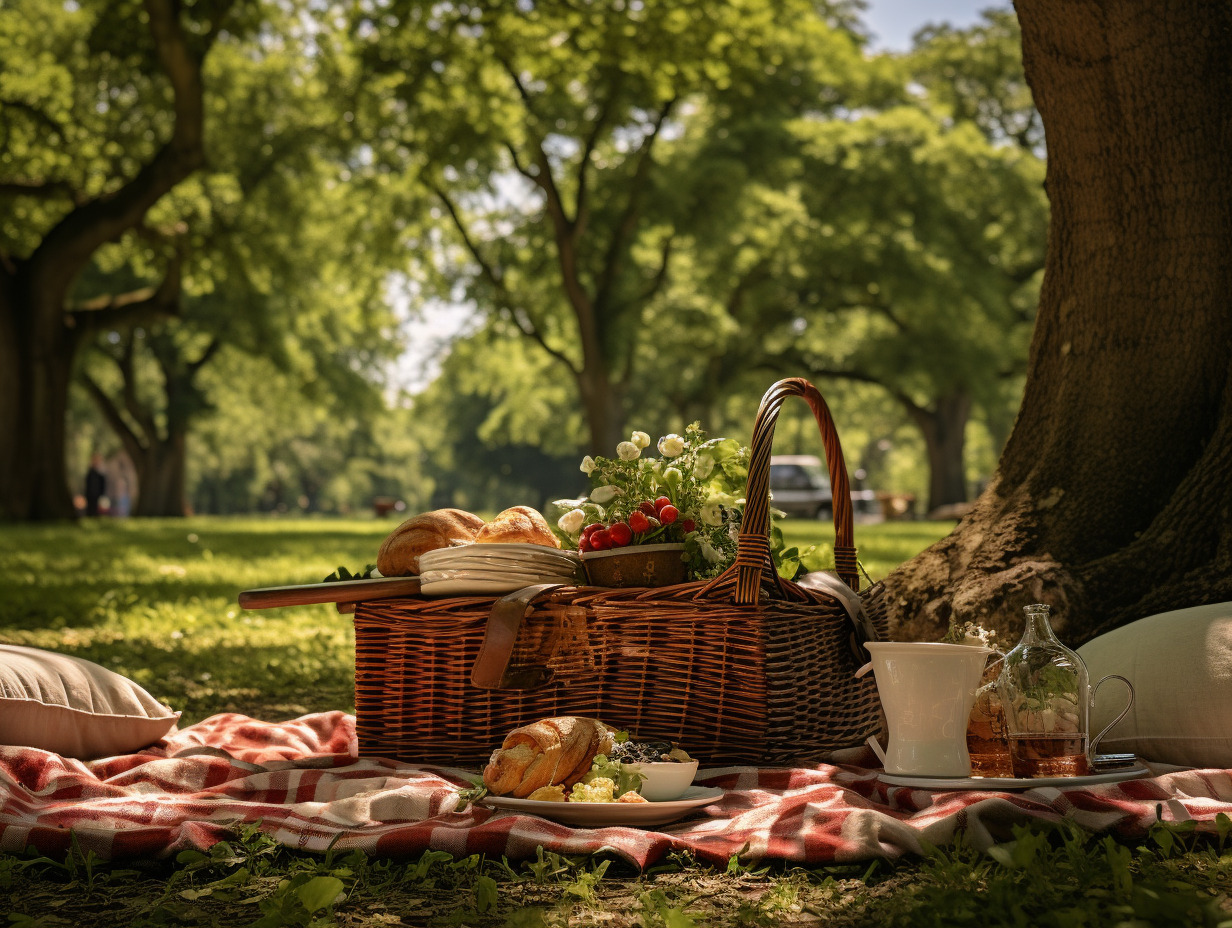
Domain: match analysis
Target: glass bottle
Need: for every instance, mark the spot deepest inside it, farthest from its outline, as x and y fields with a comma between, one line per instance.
x=1043, y=687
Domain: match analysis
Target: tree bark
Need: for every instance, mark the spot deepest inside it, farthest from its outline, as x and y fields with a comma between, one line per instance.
x=35, y=368
x=1111, y=500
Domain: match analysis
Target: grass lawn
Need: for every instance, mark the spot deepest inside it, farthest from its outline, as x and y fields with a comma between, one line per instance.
x=156, y=601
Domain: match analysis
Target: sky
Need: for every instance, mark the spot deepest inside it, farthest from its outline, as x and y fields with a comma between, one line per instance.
x=892, y=23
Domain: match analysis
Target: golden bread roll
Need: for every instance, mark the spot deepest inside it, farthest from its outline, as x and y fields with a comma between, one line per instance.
x=440, y=528
x=551, y=752
x=518, y=525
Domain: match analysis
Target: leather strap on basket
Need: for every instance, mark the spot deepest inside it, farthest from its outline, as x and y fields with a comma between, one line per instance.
x=491, y=668
x=753, y=563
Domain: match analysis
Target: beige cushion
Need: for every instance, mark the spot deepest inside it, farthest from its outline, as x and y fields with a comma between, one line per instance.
x=1181, y=666
x=74, y=707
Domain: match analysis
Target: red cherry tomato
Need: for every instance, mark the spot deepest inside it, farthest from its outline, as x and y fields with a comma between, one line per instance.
x=688, y=525
x=660, y=503
x=647, y=508
x=592, y=528
x=669, y=514
x=584, y=543
x=600, y=540
x=639, y=522
x=621, y=534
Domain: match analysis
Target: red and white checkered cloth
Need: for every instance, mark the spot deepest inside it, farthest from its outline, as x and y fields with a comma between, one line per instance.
x=304, y=783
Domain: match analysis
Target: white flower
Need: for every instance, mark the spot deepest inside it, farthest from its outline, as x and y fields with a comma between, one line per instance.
x=711, y=514
x=572, y=521
x=704, y=467
x=588, y=465
x=671, y=445
x=641, y=439
x=627, y=451
x=709, y=551
x=604, y=495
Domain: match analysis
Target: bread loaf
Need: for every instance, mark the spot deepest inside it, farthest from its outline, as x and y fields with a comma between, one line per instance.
x=518, y=525
x=440, y=528
x=550, y=752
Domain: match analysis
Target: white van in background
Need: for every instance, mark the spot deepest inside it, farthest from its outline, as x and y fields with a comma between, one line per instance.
x=800, y=486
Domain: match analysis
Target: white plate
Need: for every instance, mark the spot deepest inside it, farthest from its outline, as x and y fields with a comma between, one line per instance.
x=440, y=569
x=527, y=577
x=503, y=550
x=478, y=587
x=1111, y=776
x=600, y=814
x=471, y=560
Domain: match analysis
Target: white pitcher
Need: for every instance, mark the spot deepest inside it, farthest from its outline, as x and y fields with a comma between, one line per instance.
x=927, y=690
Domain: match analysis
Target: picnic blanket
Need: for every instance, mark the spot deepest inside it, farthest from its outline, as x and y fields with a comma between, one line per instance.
x=304, y=783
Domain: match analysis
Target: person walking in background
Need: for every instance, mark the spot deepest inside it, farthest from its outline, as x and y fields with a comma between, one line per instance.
x=96, y=484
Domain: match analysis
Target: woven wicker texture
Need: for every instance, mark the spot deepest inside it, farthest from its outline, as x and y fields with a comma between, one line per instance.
x=748, y=668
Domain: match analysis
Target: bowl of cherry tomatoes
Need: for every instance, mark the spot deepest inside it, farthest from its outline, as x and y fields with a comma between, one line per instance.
x=645, y=548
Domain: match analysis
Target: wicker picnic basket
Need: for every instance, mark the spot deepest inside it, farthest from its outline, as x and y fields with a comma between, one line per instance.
x=744, y=669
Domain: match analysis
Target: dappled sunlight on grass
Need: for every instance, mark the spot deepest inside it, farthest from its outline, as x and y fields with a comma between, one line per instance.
x=880, y=546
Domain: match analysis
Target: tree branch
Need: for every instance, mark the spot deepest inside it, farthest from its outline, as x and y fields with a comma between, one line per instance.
x=110, y=412
x=489, y=271
x=581, y=205
x=660, y=276
x=67, y=248
x=42, y=189
x=565, y=234
x=519, y=317
x=119, y=310
x=631, y=214
x=194, y=367
x=54, y=124
x=132, y=405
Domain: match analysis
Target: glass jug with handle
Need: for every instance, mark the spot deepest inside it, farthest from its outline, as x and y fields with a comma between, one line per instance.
x=1047, y=697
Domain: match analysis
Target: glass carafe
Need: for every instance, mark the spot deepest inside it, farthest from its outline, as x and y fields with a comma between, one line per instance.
x=1046, y=696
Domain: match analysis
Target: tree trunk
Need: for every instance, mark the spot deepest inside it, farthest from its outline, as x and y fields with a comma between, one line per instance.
x=945, y=431
x=1111, y=500
x=36, y=357
x=604, y=408
x=160, y=477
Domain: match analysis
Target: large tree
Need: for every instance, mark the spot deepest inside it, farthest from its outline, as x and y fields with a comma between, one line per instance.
x=101, y=118
x=1112, y=498
x=544, y=132
x=286, y=249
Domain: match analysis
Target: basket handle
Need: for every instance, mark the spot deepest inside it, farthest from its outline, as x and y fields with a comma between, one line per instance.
x=753, y=562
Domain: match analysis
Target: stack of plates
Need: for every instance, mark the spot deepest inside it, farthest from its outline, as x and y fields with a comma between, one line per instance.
x=493, y=568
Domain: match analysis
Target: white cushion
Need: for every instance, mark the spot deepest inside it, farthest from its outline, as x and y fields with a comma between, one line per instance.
x=1180, y=664
x=73, y=707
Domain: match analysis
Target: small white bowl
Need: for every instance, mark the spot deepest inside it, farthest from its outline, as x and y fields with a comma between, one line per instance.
x=665, y=780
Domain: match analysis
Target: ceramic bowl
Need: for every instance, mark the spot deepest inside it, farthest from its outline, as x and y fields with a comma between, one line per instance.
x=665, y=781
x=637, y=565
